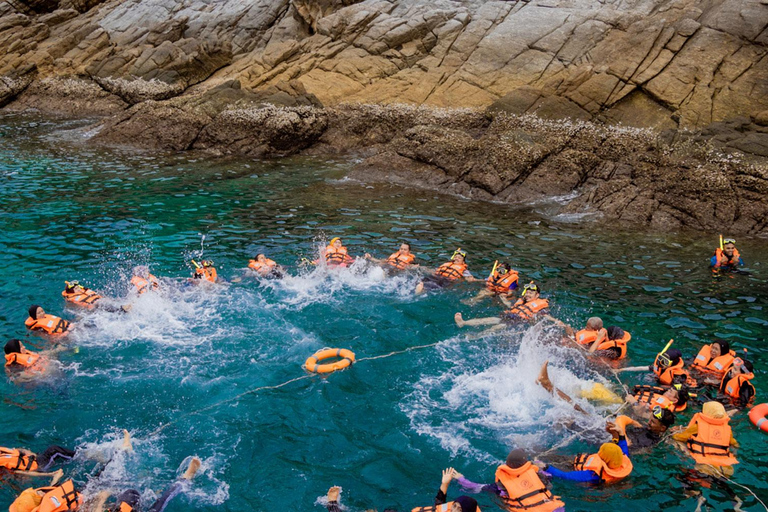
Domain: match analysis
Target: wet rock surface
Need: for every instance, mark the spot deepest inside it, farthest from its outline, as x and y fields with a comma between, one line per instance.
x=275, y=77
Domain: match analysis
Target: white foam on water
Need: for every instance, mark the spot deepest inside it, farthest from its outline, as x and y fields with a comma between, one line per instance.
x=322, y=284
x=491, y=393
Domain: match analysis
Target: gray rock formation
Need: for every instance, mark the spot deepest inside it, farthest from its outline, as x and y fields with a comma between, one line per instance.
x=182, y=74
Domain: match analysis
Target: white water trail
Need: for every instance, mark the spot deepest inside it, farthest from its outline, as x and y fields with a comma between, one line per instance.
x=491, y=393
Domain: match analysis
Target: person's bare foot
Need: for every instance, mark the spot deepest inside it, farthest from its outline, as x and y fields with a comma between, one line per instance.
x=333, y=493
x=701, y=501
x=127, y=446
x=56, y=476
x=194, y=465
x=126, y=307
x=419, y=289
x=459, y=319
x=543, y=378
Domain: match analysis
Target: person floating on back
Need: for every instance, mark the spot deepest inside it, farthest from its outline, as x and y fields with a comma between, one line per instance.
x=675, y=398
x=501, y=283
x=78, y=295
x=336, y=255
x=58, y=498
x=530, y=307
x=27, y=363
x=39, y=321
x=265, y=267
x=205, y=271
x=736, y=385
x=449, y=272
x=22, y=462
x=403, y=259
x=143, y=281
x=726, y=257
x=714, y=360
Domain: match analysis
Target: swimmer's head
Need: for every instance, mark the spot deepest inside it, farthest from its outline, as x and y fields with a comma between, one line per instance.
x=13, y=347
x=516, y=458
x=595, y=323
x=719, y=348
x=464, y=504
x=36, y=311
x=661, y=420
x=615, y=333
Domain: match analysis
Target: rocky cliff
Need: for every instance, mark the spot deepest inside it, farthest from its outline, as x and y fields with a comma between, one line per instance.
x=205, y=74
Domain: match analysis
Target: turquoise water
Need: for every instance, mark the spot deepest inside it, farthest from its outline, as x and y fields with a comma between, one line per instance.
x=382, y=430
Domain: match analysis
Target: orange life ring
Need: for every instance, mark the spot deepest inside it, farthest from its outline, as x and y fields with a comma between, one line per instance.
x=348, y=357
x=758, y=416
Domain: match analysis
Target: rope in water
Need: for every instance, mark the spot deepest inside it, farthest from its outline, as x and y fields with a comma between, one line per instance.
x=745, y=487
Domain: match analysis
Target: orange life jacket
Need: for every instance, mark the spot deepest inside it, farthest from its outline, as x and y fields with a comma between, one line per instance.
x=445, y=507
x=48, y=323
x=712, y=443
x=124, y=507
x=86, y=298
x=621, y=344
x=206, y=273
x=61, y=498
x=400, y=261
x=451, y=270
x=334, y=258
x=731, y=262
x=588, y=336
x=719, y=365
x=13, y=460
x=142, y=285
x=527, y=310
x=655, y=396
x=597, y=465
x=670, y=373
x=25, y=359
x=262, y=268
x=500, y=283
x=730, y=387
x=525, y=490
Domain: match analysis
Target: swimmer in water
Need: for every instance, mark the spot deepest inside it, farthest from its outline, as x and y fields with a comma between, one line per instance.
x=500, y=283
x=530, y=307
x=39, y=321
x=336, y=255
x=449, y=272
x=25, y=364
x=79, y=295
x=519, y=484
x=403, y=259
x=266, y=268
x=727, y=258
x=143, y=281
x=130, y=499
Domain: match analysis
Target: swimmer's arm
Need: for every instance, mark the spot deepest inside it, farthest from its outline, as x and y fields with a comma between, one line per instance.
x=574, y=476
x=685, y=435
x=506, y=301
x=623, y=445
x=474, y=488
x=635, y=369
x=713, y=261
x=54, y=350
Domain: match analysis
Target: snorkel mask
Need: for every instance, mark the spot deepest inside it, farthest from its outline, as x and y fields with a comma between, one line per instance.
x=530, y=287
x=459, y=252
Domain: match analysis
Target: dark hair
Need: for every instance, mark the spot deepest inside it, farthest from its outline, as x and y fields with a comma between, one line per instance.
x=724, y=346
x=13, y=347
x=674, y=355
x=406, y=243
x=667, y=418
x=260, y=254
x=33, y=311
x=682, y=397
x=467, y=504
x=748, y=365
x=615, y=333
x=505, y=265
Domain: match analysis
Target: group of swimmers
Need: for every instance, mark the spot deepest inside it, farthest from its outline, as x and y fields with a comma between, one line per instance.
x=521, y=484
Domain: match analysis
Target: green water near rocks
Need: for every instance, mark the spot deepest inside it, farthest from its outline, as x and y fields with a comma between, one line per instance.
x=382, y=430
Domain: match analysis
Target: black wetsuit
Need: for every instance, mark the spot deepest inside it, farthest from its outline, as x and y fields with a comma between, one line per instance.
x=49, y=456
x=643, y=438
x=132, y=498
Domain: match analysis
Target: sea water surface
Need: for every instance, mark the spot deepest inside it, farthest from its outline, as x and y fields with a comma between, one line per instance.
x=181, y=370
